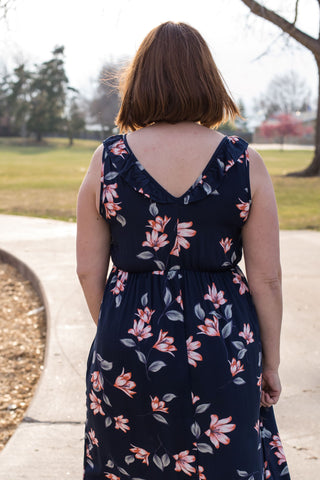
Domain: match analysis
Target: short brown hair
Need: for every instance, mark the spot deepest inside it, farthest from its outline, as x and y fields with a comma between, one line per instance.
x=173, y=78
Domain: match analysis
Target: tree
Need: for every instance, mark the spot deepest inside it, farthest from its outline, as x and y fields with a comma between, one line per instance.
x=75, y=118
x=4, y=7
x=105, y=102
x=5, y=125
x=287, y=93
x=281, y=125
x=313, y=45
x=18, y=99
x=48, y=96
x=239, y=125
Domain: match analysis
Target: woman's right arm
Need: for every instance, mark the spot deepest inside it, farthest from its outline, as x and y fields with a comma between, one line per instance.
x=93, y=238
x=262, y=259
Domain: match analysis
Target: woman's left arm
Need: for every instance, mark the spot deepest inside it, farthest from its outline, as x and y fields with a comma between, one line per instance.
x=93, y=238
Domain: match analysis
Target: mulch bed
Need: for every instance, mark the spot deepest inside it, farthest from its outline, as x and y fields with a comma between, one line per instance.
x=22, y=346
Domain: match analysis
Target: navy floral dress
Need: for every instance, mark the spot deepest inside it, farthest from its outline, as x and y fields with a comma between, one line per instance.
x=174, y=371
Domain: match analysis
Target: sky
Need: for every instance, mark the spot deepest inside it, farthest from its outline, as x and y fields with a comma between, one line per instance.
x=99, y=31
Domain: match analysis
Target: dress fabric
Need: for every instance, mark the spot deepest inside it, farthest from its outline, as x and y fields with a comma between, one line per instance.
x=174, y=371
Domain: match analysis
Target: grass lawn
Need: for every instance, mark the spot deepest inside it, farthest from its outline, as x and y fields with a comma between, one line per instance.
x=44, y=180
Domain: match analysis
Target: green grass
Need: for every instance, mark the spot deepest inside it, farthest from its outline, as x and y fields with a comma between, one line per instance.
x=43, y=181
x=298, y=198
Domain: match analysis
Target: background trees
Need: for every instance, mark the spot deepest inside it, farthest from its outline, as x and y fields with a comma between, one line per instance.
x=48, y=96
x=287, y=93
x=39, y=101
x=309, y=42
x=104, y=104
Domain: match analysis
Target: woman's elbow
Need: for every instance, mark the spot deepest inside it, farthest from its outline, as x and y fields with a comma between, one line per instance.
x=84, y=273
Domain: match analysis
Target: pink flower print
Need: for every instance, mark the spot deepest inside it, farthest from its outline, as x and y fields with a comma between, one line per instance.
x=140, y=330
x=210, y=327
x=179, y=299
x=236, y=367
x=183, y=460
x=276, y=443
x=124, y=383
x=158, y=272
x=121, y=279
x=244, y=207
x=215, y=297
x=159, y=223
x=141, y=191
x=247, y=334
x=226, y=244
x=259, y=382
x=123, y=275
x=88, y=452
x=229, y=165
x=119, y=287
x=257, y=426
x=121, y=423
x=233, y=138
x=202, y=475
x=95, y=404
x=195, y=398
x=92, y=436
x=192, y=355
x=96, y=380
x=145, y=315
x=111, y=209
x=118, y=148
x=158, y=405
x=164, y=343
x=238, y=279
x=111, y=476
x=281, y=456
x=140, y=453
x=183, y=231
x=244, y=156
x=202, y=179
x=217, y=430
x=109, y=192
x=154, y=241
x=267, y=473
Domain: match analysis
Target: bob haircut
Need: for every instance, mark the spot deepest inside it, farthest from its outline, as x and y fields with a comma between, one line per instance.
x=173, y=78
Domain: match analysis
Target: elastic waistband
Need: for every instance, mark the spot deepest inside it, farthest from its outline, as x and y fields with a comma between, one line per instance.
x=176, y=269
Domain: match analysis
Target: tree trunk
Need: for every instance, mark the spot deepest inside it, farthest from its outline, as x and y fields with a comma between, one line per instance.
x=39, y=136
x=70, y=140
x=313, y=170
x=313, y=45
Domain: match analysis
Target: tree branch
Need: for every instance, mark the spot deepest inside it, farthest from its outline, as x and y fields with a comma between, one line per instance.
x=4, y=7
x=296, y=12
x=306, y=40
x=268, y=49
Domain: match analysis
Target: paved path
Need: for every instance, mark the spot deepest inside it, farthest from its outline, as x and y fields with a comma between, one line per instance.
x=48, y=444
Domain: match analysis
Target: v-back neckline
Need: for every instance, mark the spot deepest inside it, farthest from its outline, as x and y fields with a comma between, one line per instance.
x=195, y=182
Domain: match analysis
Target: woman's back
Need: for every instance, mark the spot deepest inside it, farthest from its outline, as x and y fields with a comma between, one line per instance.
x=175, y=155
x=176, y=308
x=213, y=197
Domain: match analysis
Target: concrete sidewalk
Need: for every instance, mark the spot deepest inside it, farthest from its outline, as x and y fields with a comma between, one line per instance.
x=48, y=444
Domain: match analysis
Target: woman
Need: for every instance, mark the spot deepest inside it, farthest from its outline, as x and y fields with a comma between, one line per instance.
x=183, y=371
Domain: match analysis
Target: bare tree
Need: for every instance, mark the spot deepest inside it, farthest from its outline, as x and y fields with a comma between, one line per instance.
x=105, y=103
x=286, y=93
x=313, y=45
x=4, y=7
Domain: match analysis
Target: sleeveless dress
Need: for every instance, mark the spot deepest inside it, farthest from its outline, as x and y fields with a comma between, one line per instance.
x=174, y=371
